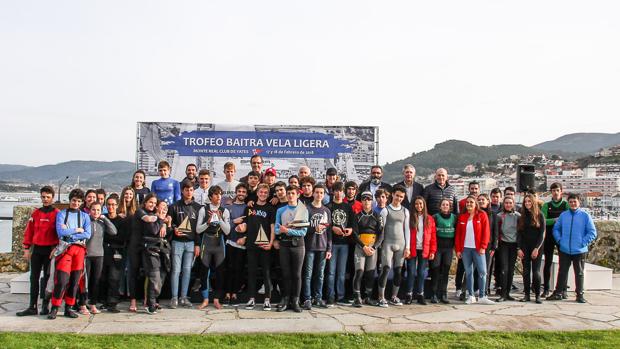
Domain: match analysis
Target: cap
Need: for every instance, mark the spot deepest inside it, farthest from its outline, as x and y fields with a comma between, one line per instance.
x=271, y=172
x=366, y=194
x=331, y=172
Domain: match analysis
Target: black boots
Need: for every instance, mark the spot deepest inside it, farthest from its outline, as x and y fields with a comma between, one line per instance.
x=70, y=313
x=295, y=305
x=580, y=298
x=53, y=312
x=421, y=299
x=444, y=298
x=283, y=306
x=45, y=307
x=31, y=310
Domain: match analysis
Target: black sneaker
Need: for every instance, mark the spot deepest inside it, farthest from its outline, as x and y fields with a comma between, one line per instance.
x=53, y=313
x=342, y=301
x=70, y=313
x=370, y=301
x=267, y=305
x=444, y=299
x=321, y=304
x=112, y=309
x=564, y=295
x=151, y=309
x=234, y=302
x=421, y=299
x=226, y=302
x=545, y=294
x=357, y=302
x=408, y=298
x=250, y=304
x=28, y=312
x=331, y=303
x=555, y=297
x=510, y=298
x=580, y=299
x=434, y=299
x=308, y=304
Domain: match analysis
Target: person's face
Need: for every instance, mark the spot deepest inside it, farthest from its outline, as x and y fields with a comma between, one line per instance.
x=128, y=196
x=307, y=187
x=241, y=193
x=257, y=164
x=111, y=206
x=204, y=181
x=419, y=206
x=510, y=194
x=304, y=172
x=470, y=205
x=509, y=205
x=397, y=198
x=269, y=180
x=483, y=202
x=338, y=195
x=252, y=181
x=263, y=194
x=164, y=172
x=330, y=179
x=216, y=198
x=367, y=203
x=292, y=196
x=351, y=191
x=318, y=194
x=474, y=189
x=376, y=173
x=444, y=207
x=382, y=200
x=188, y=193
x=138, y=180
x=573, y=204
x=190, y=172
x=293, y=181
x=556, y=194
x=95, y=211
x=90, y=198
x=527, y=202
x=441, y=177
x=281, y=192
x=229, y=173
x=149, y=205
x=409, y=174
x=495, y=198
x=100, y=198
x=47, y=199
x=75, y=203
x=162, y=208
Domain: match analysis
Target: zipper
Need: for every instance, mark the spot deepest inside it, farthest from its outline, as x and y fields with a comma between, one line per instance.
x=570, y=233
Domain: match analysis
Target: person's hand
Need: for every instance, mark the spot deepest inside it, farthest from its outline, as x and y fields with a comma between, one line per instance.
x=122, y=215
x=459, y=255
x=241, y=228
x=274, y=201
x=337, y=230
x=241, y=241
x=431, y=256
x=79, y=230
x=328, y=255
x=491, y=253
x=347, y=231
x=276, y=244
x=368, y=251
x=168, y=220
x=196, y=251
x=250, y=203
x=27, y=254
x=481, y=251
x=283, y=229
x=520, y=254
x=267, y=247
x=178, y=233
x=407, y=253
x=535, y=253
x=162, y=232
x=238, y=220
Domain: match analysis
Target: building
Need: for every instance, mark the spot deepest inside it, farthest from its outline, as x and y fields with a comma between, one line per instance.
x=585, y=181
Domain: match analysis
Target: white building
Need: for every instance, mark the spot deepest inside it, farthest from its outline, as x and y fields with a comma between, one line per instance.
x=586, y=181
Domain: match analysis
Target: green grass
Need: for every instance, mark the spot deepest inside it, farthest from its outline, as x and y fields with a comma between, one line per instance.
x=477, y=340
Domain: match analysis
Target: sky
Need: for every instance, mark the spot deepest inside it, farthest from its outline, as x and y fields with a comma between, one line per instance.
x=76, y=76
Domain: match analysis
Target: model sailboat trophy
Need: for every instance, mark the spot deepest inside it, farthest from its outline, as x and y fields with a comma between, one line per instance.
x=301, y=217
x=185, y=227
x=261, y=238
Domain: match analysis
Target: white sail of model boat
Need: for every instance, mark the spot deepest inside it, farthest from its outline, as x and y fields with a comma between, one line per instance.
x=301, y=217
x=185, y=226
x=261, y=238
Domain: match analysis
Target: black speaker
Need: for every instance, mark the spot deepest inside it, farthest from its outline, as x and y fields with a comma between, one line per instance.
x=525, y=177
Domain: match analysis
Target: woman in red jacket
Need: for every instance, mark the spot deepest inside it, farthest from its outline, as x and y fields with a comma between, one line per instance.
x=471, y=241
x=423, y=248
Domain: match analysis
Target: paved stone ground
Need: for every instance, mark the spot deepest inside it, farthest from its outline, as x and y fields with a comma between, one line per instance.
x=601, y=312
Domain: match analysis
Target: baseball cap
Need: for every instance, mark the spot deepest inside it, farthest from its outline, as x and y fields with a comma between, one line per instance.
x=366, y=194
x=331, y=172
x=271, y=172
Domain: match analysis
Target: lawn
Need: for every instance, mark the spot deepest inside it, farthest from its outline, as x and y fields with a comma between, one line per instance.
x=536, y=339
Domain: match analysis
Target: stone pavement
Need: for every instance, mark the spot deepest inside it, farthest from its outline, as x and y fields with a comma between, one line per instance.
x=601, y=312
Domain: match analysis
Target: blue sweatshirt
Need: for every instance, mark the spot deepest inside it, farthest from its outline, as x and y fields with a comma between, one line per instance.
x=167, y=189
x=285, y=215
x=67, y=231
x=574, y=231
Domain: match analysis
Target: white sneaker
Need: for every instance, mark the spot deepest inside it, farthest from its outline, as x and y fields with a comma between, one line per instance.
x=261, y=290
x=470, y=300
x=458, y=293
x=476, y=293
x=485, y=300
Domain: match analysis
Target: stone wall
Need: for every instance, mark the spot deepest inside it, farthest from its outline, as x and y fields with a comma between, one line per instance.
x=605, y=250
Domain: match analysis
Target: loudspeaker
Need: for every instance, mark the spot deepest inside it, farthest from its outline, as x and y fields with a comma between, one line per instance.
x=525, y=177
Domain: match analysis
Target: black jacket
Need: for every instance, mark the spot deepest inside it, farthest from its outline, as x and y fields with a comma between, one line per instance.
x=433, y=194
x=365, y=186
x=418, y=190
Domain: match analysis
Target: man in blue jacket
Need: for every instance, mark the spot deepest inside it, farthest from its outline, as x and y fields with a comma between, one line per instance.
x=574, y=231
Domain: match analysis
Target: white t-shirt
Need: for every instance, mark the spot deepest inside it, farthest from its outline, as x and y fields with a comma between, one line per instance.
x=470, y=238
x=228, y=191
x=419, y=238
x=201, y=196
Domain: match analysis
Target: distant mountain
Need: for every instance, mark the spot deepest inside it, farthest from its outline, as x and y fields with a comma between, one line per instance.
x=9, y=168
x=112, y=175
x=581, y=142
x=454, y=155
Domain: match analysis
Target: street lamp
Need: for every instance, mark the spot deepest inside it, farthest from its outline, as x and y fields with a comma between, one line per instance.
x=60, y=186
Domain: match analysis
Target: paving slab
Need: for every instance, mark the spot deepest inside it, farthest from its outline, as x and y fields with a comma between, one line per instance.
x=519, y=311
x=416, y=327
x=259, y=314
x=596, y=316
x=42, y=324
x=448, y=316
x=275, y=325
x=506, y=322
x=359, y=319
x=163, y=327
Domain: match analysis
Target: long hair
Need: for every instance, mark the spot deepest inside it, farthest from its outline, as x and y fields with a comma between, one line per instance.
x=413, y=217
x=476, y=208
x=535, y=211
x=124, y=207
x=148, y=197
x=133, y=184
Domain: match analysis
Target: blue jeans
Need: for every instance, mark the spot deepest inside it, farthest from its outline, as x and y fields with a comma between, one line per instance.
x=314, y=268
x=416, y=273
x=337, y=271
x=471, y=258
x=182, y=258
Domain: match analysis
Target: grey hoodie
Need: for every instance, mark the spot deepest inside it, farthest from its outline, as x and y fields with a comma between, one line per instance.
x=507, y=222
x=100, y=226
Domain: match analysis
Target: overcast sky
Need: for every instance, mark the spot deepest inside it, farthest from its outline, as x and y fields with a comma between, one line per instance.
x=76, y=76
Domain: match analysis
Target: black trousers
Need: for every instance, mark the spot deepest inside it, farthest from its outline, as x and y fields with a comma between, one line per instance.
x=531, y=271
x=259, y=257
x=440, y=269
x=134, y=254
x=578, y=261
x=155, y=273
x=508, y=253
x=114, y=272
x=291, y=261
x=39, y=262
x=94, y=268
x=549, y=249
x=235, y=261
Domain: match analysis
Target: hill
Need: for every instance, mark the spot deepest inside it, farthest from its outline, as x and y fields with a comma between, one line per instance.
x=112, y=175
x=9, y=168
x=454, y=155
x=581, y=142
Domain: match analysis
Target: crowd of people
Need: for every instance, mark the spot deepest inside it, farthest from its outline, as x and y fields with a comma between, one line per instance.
x=226, y=239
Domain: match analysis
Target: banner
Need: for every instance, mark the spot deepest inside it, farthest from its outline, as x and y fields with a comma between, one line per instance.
x=349, y=149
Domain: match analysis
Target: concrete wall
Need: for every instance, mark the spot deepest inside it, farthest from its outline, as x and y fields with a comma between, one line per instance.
x=605, y=251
